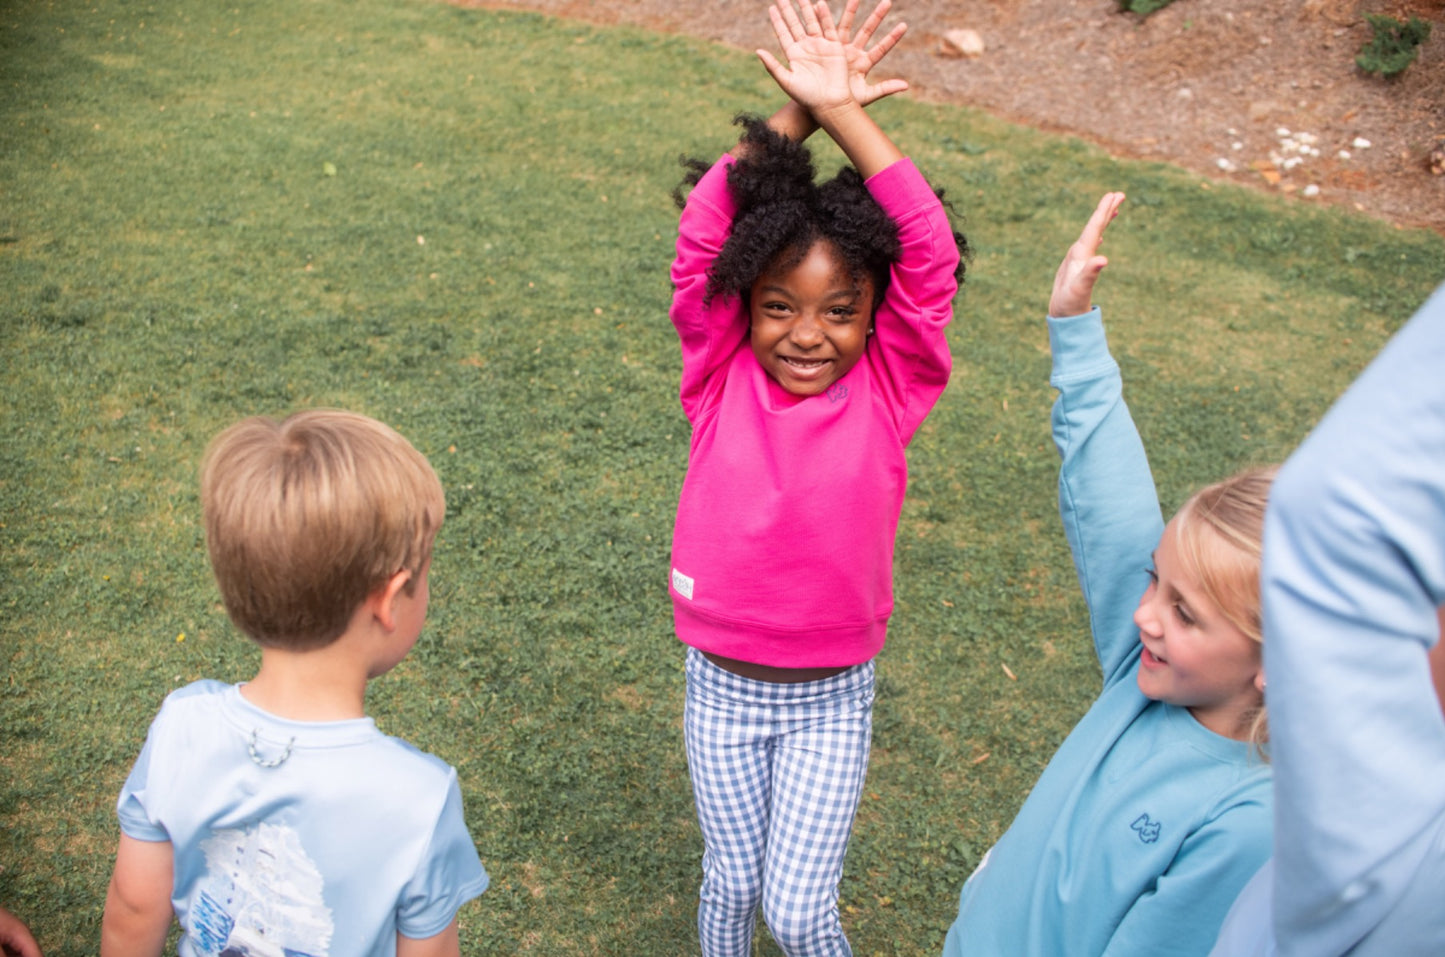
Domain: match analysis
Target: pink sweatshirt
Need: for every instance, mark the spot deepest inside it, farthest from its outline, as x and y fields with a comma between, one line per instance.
x=783, y=549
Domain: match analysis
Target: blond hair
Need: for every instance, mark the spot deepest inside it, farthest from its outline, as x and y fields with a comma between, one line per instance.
x=1220, y=533
x=306, y=517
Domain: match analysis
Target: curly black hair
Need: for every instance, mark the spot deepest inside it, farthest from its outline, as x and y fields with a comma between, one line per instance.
x=781, y=213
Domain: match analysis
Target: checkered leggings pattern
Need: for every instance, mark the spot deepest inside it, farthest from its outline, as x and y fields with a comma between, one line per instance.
x=777, y=771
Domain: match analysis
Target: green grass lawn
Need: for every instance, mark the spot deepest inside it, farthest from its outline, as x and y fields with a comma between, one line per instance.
x=459, y=222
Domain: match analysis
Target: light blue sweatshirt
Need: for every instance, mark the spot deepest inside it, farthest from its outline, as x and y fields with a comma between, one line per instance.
x=1354, y=568
x=1145, y=824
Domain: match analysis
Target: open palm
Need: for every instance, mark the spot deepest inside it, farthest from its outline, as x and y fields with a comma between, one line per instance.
x=826, y=67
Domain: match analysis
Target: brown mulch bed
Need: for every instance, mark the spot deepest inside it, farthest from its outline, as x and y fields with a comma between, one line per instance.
x=1260, y=92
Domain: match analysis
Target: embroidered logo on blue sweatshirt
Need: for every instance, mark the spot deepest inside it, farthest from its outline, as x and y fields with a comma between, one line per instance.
x=1148, y=830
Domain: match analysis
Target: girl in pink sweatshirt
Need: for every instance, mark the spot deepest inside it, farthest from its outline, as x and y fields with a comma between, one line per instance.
x=811, y=319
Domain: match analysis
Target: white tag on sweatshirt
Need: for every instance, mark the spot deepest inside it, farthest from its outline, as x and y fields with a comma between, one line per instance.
x=682, y=584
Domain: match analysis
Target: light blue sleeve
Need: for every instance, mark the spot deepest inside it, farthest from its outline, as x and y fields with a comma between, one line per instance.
x=1107, y=499
x=1354, y=568
x=131, y=807
x=450, y=874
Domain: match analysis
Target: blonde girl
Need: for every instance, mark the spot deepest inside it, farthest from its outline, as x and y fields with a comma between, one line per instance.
x=1157, y=808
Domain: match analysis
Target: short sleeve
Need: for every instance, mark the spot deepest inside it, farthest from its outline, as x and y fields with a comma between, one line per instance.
x=135, y=820
x=449, y=874
x=137, y=805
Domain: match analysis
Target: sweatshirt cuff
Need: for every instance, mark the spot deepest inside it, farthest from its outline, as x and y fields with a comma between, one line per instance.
x=1079, y=347
x=899, y=186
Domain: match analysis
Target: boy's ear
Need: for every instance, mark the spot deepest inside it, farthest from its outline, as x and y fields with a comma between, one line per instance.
x=1259, y=680
x=382, y=601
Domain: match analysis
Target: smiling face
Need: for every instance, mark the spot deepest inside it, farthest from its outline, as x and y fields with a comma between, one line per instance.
x=1193, y=656
x=810, y=321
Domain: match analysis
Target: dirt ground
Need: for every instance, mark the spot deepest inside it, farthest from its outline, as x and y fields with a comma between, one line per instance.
x=1261, y=92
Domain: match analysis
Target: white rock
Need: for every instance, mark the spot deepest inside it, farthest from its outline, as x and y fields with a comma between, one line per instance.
x=1282, y=131
x=1343, y=154
x=1361, y=143
x=1225, y=165
x=960, y=42
x=1311, y=190
x=1236, y=146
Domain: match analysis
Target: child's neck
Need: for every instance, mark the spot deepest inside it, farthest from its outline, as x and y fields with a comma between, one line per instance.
x=308, y=685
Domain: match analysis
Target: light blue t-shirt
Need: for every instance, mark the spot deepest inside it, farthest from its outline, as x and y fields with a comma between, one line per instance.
x=303, y=838
x=1145, y=824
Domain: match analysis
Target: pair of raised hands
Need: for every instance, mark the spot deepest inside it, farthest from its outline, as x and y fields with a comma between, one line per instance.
x=827, y=71
x=827, y=63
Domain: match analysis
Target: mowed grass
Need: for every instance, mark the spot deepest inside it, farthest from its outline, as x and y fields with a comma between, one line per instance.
x=458, y=221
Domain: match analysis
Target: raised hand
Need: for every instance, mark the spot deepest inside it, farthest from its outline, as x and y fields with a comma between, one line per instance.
x=826, y=79
x=1074, y=282
x=818, y=72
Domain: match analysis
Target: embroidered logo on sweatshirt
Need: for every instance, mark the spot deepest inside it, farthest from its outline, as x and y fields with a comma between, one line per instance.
x=1148, y=830
x=682, y=584
x=837, y=393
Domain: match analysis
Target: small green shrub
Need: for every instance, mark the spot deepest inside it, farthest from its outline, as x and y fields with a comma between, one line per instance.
x=1143, y=7
x=1394, y=45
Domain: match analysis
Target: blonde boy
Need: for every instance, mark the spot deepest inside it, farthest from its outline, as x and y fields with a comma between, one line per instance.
x=272, y=817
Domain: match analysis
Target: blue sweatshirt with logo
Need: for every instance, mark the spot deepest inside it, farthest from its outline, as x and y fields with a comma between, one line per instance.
x=1144, y=825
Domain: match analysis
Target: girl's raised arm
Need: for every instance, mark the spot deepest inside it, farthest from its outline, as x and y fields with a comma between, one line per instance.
x=1107, y=500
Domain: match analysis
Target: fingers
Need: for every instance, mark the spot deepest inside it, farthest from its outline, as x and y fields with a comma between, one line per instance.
x=1079, y=272
x=822, y=19
x=870, y=25
x=783, y=10
x=1093, y=233
x=881, y=48
x=806, y=20
x=1089, y=271
x=816, y=19
x=771, y=63
x=781, y=30
x=878, y=91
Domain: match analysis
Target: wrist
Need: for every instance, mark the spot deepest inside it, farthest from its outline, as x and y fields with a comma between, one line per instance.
x=835, y=115
x=867, y=147
x=794, y=121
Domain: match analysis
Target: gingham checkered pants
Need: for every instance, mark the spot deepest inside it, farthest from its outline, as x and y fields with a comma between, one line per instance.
x=777, y=771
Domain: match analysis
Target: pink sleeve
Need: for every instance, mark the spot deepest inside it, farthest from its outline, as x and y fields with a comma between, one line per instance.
x=908, y=348
x=709, y=334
